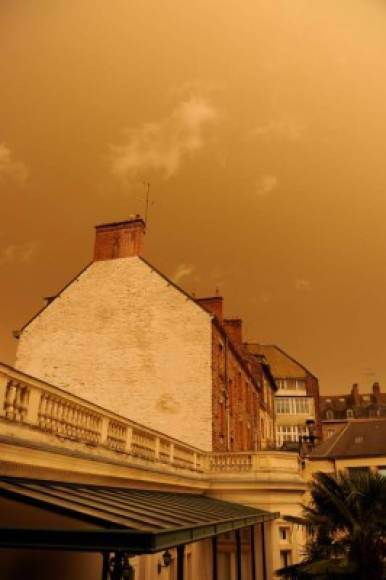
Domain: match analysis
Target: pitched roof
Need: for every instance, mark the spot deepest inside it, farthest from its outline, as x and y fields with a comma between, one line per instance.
x=367, y=405
x=358, y=438
x=283, y=365
x=136, y=520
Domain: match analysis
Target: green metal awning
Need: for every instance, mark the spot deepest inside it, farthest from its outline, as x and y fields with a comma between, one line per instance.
x=133, y=520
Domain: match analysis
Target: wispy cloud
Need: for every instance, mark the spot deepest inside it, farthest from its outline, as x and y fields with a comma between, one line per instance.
x=286, y=128
x=9, y=168
x=18, y=253
x=266, y=184
x=162, y=146
x=302, y=284
x=182, y=271
x=265, y=297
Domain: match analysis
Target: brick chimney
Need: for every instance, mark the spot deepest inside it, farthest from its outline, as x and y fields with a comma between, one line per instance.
x=234, y=327
x=213, y=305
x=377, y=393
x=355, y=398
x=119, y=239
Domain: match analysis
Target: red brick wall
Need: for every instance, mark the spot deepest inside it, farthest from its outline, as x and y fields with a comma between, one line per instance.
x=312, y=389
x=235, y=400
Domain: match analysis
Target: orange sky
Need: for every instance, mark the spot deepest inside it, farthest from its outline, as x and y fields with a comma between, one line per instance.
x=261, y=126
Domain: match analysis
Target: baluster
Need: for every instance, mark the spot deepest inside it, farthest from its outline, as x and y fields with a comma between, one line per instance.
x=88, y=427
x=42, y=411
x=54, y=409
x=24, y=401
x=49, y=413
x=70, y=415
x=94, y=429
x=80, y=424
x=98, y=430
x=75, y=423
x=59, y=417
x=64, y=418
x=9, y=404
x=84, y=422
x=17, y=402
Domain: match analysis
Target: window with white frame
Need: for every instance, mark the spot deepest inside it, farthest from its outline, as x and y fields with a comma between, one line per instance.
x=293, y=405
x=290, y=433
x=291, y=384
x=283, y=406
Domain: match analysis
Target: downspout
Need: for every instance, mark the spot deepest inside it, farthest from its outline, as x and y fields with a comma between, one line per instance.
x=228, y=443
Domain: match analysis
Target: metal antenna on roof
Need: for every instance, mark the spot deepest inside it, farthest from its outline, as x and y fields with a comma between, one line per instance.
x=147, y=200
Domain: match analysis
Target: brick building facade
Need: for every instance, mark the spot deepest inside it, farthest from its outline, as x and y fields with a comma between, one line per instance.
x=337, y=410
x=242, y=392
x=128, y=338
x=297, y=397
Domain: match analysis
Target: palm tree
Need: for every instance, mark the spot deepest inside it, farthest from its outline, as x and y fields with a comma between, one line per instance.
x=346, y=521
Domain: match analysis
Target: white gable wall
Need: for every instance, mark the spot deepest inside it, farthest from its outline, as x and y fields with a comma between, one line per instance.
x=121, y=336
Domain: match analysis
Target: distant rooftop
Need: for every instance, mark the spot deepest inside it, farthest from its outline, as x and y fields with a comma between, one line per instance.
x=360, y=438
x=283, y=366
x=359, y=405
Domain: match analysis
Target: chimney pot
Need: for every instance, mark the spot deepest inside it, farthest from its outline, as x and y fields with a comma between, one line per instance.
x=119, y=239
x=377, y=392
x=234, y=327
x=355, y=394
x=214, y=305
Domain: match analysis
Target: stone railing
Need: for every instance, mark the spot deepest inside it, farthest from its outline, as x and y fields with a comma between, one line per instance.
x=270, y=464
x=28, y=402
x=39, y=414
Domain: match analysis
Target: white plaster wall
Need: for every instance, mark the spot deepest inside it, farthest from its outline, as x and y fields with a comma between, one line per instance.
x=124, y=338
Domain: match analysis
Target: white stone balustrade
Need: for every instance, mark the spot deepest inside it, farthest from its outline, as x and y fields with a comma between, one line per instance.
x=231, y=462
x=32, y=409
x=260, y=465
x=50, y=410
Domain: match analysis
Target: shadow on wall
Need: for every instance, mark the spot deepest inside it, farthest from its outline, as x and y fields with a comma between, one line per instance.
x=49, y=565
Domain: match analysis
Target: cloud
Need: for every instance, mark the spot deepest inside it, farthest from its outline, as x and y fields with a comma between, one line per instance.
x=18, y=253
x=9, y=168
x=266, y=184
x=265, y=297
x=302, y=284
x=286, y=128
x=162, y=146
x=183, y=271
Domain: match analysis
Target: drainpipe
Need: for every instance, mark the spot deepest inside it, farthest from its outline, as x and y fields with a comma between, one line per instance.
x=228, y=434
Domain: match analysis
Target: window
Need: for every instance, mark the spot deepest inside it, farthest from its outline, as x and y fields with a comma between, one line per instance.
x=284, y=533
x=302, y=406
x=353, y=471
x=285, y=558
x=283, y=406
x=382, y=470
x=290, y=433
x=350, y=413
x=293, y=405
x=291, y=384
x=330, y=414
